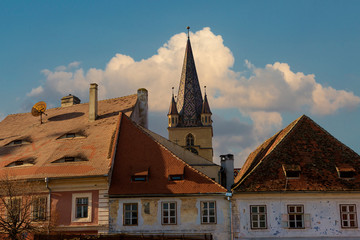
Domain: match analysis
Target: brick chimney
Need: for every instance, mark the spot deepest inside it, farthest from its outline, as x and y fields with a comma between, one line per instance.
x=227, y=164
x=93, y=102
x=69, y=100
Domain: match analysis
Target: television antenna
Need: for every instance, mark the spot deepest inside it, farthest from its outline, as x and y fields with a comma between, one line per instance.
x=38, y=110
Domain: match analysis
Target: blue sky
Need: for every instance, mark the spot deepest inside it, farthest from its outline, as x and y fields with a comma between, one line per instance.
x=52, y=48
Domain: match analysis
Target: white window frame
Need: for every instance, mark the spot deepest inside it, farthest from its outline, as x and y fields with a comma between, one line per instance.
x=169, y=214
x=207, y=210
x=348, y=213
x=258, y=214
x=73, y=207
x=130, y=211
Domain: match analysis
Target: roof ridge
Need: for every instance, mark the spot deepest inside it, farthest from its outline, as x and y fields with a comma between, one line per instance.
x=295, y=123
x=179, y=159
x=54, y=108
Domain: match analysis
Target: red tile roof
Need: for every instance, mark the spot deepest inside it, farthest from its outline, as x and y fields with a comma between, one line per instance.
x=45, y=147
x=136, y=149
x=305, y=147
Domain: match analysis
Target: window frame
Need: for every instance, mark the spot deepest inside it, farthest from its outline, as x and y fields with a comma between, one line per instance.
x=190, y=140
x=74, y=217
x=15, y=198
x=36, y=209
x=169, y=213
x=348, y=213
x=131, y=211
x=296, y=213
x=258, y=215
x=208, y=212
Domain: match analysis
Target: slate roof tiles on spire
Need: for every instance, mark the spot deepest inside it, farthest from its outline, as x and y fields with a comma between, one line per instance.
x=189, y=102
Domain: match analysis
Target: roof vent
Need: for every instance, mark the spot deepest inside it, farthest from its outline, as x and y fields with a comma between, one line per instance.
x=69, y=100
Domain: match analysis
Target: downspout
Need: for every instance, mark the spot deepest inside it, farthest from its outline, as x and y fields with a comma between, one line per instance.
x=47, y=180
x=228, y=197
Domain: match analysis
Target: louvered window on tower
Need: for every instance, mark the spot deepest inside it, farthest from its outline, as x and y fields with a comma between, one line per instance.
x=292, y=171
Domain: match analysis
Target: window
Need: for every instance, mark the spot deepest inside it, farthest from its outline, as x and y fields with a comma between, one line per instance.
x=296, y=216
x=208, y=212
x=70, y=159
x=345, y=171
x=13, y=210
x=81, y=207
x=130, y=214
x=258, y=217
x=193, y=150
x=292, y=171
x=139, y=178
x=189, y=140
x=176, y=177
x=72, y=135
x=22, y=162
x=19, y=142
x=168, y=214
x=348, y=216
x=39, y=209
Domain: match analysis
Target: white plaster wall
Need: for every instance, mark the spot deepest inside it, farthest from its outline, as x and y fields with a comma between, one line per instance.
x=188, y=217
x=324, y=210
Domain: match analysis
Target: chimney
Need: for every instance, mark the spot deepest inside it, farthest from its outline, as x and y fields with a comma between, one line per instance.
x=141, y=113
x=69, y=101
x=93, y=102
x=227, y=164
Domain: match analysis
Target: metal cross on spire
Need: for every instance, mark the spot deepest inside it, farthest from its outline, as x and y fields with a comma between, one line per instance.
x=188, y=28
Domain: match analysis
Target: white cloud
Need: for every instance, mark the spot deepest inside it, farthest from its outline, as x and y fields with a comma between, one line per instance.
x=263, y=94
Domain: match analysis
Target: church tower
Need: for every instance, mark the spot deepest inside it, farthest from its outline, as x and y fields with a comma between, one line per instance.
x=190, y=124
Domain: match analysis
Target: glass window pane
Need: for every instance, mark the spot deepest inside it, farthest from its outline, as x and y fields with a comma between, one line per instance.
x=254, y=209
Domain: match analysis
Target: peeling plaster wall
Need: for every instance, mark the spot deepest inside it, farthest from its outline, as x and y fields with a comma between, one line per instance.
x=324, y=210
x=188, y=216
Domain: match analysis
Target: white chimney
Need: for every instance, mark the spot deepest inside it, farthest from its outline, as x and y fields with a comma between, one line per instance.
x=93, y=102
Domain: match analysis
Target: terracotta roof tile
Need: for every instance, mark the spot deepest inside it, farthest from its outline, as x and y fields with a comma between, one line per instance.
x=305, y=147
x=137, y=148
x=44, y=145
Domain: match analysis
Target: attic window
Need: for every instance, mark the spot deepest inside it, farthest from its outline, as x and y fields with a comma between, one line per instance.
x=22, y=162
x=72, y=135
x=176, y=177
x=18, y=142
x=346, y=172
x=292, y=171
x=70, y=159
x=140, y=176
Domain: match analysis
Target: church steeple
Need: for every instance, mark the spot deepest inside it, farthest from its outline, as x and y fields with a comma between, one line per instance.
x=189, y=101
x=190, y=124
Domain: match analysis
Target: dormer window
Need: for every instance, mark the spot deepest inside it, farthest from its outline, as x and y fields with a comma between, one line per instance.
x=140, y=176
x=176, y=177
x=345, y=171
x=22, y=162
x=292, y=171
x=70, y=159
x=18, y=142
x=72, y=135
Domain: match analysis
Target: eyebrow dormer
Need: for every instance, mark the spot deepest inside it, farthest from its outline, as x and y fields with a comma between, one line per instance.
x=345, y=171
x=18, y=142
x=292, y=171
x=72, y=135
x=22, y=162
x=68, y=159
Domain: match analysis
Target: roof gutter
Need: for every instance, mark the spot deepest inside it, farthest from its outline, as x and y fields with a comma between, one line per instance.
x=164, y=195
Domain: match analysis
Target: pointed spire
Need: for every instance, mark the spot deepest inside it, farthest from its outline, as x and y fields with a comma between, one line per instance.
x=205, y=106
x=173, y=110
x=189, y=102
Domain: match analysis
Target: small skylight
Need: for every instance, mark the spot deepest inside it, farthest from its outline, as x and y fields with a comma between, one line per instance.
x=22, y=162
x=139, y=178
x=140, y=175
x=292, y=171
x=70, y=159
x=345, y=172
